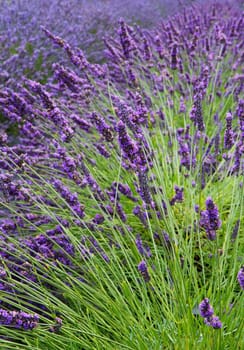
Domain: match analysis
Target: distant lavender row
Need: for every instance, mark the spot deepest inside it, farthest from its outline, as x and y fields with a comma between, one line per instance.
x=25, y=50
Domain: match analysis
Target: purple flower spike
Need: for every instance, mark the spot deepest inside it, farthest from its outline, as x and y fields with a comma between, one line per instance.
x=103, y=128
x=142, y=268
x=128, y=146
x=182, y=108
x=174, y=57
x=98, y=219
x=178, y=197
x=142, y=249
x=71, y=198
x=209, y=219
x=144, y=189
x=196, y=113
x=141, y=215
x=215, y=322
x=240, y=277
x=125, y=39
x=205, y=309
x=229, y=134
x=18, y=319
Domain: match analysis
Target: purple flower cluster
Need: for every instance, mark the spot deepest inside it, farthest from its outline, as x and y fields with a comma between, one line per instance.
x=54, y=245
x=229, y=134
x=142, y=268
x=129, y=147
x=186, y=152
x=178, y=197
x=70, y=198
x=18, y=319
x=240, y=277
x=207, y=312
x=209, y=219
x=142, y=249
x=53, y=112
x=125, y=39
x=104, y=129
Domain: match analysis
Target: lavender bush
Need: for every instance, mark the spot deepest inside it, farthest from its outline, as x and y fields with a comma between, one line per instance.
x=122, y=202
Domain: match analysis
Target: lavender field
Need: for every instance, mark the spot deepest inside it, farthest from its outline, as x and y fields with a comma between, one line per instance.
x=121, y=175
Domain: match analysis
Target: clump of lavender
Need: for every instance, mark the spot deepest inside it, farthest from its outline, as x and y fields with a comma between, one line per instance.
x=207, y=312
x=117, y=137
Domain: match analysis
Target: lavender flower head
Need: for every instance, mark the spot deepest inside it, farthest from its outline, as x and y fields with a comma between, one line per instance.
x=240, y=277
x=103, y=128
x=142, y=249
x=209, y=219
x=128, y=146
x=142, y=268
x=178, y=197
x=174, y=57
x=213, y=322
x=205, y=309
x=125, y=39
x=229, y=134
x=18, y=319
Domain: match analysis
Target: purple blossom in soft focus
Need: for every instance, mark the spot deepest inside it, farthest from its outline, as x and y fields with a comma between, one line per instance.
x=104, y=129
x=98, y=219
x=178, y=197
x=142, y=249
x=213, y=321
x=18, y=319
x=229, y=134
x=240, y=277
x=70, y=198
x=209, y=219
x=142, y=268
x=205, y=308
x=141, y=214
x=144, y=189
